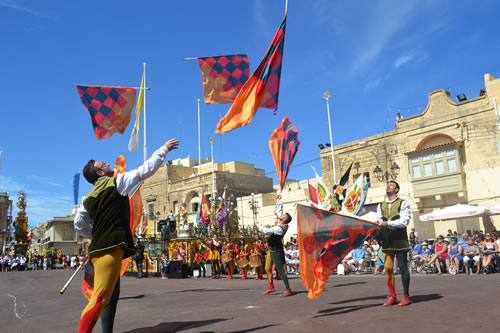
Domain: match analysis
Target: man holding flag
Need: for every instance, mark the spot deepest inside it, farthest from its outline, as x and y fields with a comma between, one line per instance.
x=105, y=217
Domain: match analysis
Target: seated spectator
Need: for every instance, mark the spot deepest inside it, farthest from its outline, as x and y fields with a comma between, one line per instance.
x=425, y=257
x=358, y=256
x=472, y=255
x=368, y=256
x=414, y=235
x=440, y=253
x=489, y=252
x=345, y=261
x=455, y=252
x=288, y=258
x=465, y=240
x=294, y=253
x=415, y=254
x=374, y=246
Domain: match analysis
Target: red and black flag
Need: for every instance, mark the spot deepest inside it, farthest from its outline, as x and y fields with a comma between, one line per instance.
x=261, y=89
x=325, y=238
x=109, y=108
x=284, y=144
x=223, y=77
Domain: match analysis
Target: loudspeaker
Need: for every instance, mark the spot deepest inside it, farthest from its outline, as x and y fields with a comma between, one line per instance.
x=177, y=270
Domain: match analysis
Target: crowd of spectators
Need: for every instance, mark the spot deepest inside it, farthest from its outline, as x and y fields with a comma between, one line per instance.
x=9, y=263
x=471, y=253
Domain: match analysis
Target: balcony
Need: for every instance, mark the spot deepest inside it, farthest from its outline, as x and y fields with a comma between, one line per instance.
x=438, y=185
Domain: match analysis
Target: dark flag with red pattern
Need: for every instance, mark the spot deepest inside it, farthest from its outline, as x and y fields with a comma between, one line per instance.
x=261, y=89
x=284, y=144
x=109, y=108
x=223, y=77
x=325, y=238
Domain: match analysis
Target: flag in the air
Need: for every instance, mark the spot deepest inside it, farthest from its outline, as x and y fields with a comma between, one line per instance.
x=356, y=196
x=339, y=190
x=109, y=108
x=205, y=211
x=325, y=238
x=223, y=77
x=322, y=192
x=197, y=217
x=313, y=194
x=76, y=187
x=261, y=89
x=134, y=137
x=284, y=144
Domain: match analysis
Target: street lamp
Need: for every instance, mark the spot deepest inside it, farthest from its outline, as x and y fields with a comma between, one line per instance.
x=381, y=175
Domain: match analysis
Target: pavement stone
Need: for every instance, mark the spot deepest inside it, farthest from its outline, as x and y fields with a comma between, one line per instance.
x=30, y=302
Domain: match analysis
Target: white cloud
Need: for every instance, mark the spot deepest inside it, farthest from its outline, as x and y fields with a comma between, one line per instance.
x=41, y=205
x=44, y=180
x=401, y=61
x=17, y=5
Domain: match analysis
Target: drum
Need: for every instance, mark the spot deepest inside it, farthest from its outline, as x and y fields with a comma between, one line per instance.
x=255, y=260
x=243, y=262
x=226, y=257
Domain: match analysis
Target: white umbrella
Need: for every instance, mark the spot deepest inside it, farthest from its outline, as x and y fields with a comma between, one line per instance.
x=495, y=210
x=458, y=211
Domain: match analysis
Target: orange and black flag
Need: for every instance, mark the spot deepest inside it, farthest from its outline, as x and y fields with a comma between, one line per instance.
x=325, y=238
x=261, y=89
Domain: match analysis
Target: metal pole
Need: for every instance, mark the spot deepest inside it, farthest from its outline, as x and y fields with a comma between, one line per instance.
x=213, y=171
x=144, y=108
x=199, y=144
x=326, y=96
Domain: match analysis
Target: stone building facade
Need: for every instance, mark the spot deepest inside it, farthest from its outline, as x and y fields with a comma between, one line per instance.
x=182, y=182
x=57, y=233
x=448, y=154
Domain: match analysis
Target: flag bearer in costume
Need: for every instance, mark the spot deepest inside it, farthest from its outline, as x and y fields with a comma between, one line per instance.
x=230, y=249
x=275, y=252
x=394, y=216
x=105, y=216
x=214, y=257
x=258, y=248
x=244, y=252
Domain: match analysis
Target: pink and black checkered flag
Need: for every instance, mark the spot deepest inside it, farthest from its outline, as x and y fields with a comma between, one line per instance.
x=109, y=108
x=223, y=77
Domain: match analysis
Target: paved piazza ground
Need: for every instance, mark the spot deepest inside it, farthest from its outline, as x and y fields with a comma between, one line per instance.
x=30, y=302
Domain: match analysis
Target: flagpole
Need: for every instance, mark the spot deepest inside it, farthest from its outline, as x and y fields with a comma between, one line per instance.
x=199, y=144
x=286, y=6
x=327, y=96
x=144, y=108
x=213, y=171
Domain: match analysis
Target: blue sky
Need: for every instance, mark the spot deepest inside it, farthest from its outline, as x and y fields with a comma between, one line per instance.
x=376, y=57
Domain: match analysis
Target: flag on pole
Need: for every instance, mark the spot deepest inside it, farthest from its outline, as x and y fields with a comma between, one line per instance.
x=356, y=196
x=322, y=192
x=222, y=216
x=339, y=190
x=223, y=77
x=76, y=187
x=284, y=144
x=109, y=108
x=313, y=194
x=134, y=137
x=261, y=89
x=205, y=211
x=325, y=238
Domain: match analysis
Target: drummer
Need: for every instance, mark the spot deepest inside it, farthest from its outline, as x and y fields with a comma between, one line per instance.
x=229, y=250
x=258, y=249
x=243, y=254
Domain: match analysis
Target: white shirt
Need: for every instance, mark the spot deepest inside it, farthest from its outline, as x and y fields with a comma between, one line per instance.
x=404, y=214
x=124, y=183
x=276, y=230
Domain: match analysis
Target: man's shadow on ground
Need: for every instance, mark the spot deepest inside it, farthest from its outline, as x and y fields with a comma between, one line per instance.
x=352, y=308
x=176, y=326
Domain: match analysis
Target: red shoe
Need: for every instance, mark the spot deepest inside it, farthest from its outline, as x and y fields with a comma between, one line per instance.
x=405, y=301
x=287, y=292
x=214, y=277
x=230, y=277
x=243, y=277
x=258, y=278
x=269, y=290
x=391, y=301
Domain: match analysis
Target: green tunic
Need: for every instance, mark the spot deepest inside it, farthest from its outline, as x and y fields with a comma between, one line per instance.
x=274, y=242
x=110, y=213
x=393, y=239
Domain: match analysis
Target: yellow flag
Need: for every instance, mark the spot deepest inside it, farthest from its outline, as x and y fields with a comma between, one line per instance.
x=134, y=137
